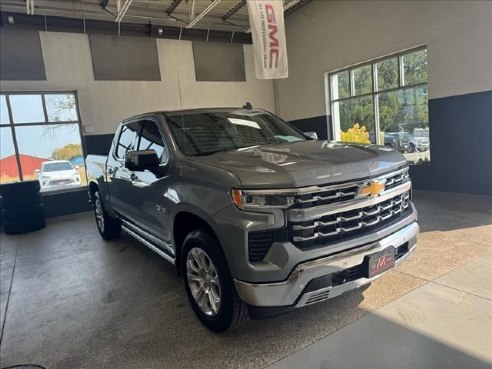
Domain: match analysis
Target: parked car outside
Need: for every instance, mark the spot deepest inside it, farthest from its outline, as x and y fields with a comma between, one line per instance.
x=58, y=174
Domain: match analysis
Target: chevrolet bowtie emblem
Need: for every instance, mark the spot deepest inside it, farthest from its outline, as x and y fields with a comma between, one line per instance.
x=373, y=188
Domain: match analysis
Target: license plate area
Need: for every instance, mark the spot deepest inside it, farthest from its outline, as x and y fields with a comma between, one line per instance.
x=380, y=262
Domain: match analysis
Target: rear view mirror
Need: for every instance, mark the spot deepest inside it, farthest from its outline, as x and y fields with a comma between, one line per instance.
x=141, y=160
x=36, y=171
x=311, y=135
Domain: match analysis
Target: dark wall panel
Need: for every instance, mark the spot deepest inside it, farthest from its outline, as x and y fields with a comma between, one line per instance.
x=21, y=57
x=321, y=125
x=98, y=144
x=66, y=203
x=124, y=58
x=219, y=62
x=461, y=145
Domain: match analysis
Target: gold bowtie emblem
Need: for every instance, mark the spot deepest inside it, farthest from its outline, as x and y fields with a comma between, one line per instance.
x=373, y=188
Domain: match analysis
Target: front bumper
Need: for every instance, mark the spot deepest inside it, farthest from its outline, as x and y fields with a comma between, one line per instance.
x=297, y=291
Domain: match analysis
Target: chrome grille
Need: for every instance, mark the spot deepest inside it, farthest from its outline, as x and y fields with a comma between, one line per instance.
x=325, y=195
x=335, y=226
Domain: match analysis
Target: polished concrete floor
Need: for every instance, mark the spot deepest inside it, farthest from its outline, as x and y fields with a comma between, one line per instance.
x=70, y=300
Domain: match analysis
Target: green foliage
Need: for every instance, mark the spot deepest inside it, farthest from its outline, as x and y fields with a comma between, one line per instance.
x=67, y=152
x=403, y=109
x=359, y=109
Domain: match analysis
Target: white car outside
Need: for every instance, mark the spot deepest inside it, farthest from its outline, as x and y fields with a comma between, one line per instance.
x=58, y=173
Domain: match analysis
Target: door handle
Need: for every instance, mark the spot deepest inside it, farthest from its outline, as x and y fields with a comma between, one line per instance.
x=133, y=177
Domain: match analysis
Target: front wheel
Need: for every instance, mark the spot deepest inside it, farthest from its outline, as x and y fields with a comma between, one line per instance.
x=208, y=283
x=108, y=227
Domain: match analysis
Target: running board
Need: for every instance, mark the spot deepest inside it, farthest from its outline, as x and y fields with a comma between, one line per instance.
x=148, y=244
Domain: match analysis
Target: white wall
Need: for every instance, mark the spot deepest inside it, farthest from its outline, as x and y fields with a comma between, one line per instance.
x=103, y=104
x=328, y=35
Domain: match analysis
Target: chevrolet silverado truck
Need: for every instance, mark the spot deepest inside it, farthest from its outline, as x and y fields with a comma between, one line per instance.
x=257, y=217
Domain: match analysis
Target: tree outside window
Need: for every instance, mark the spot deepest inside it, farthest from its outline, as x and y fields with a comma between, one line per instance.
x=384, y=102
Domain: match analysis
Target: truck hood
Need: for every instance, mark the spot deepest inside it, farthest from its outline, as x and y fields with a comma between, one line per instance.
x=305, y=163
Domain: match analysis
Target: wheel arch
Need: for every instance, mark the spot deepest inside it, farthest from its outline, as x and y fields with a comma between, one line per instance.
x=186, y=221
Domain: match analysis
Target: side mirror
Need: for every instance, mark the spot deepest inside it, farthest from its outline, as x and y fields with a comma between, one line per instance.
x=311, y=135
x=141, y=160
x=77, y=167
x=37, y=171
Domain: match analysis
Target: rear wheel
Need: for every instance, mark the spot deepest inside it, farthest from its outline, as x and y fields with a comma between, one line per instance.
x=209, y=284
x=108, y=227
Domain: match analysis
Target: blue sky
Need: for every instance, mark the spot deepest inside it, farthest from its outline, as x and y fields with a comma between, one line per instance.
x=38, y=141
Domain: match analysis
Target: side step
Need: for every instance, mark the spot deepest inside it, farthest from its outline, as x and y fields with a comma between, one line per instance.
x=166, y=255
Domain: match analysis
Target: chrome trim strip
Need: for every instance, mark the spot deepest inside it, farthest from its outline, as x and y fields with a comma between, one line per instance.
x=301, y=215
x=169, y=257
x=167, y=247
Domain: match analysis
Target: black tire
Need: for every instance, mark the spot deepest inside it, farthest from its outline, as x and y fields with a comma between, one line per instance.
x=30, y=225
x=411, y=148
x=16, y=189
x=24, y=214
x=232, y=312
x=110, y=228
x=23, y=201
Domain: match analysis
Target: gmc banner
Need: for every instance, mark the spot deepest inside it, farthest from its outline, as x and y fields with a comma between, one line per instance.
x=266, y=18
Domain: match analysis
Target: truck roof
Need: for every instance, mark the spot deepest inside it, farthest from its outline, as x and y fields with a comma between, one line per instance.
x=174, y=113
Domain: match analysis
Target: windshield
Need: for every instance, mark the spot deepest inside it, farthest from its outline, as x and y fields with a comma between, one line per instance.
x=205, y=133
x=55, y=167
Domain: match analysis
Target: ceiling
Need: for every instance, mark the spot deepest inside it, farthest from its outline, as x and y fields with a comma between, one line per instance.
x=226, y=15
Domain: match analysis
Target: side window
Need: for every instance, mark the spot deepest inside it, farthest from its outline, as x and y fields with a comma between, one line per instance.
x=127, y=140
x=151, y=138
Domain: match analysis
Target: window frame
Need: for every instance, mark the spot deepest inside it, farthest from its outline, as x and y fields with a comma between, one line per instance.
x=141, y=122
x=12, y=125
x=375, y=93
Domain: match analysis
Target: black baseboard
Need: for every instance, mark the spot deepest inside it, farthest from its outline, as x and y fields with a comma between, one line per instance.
x=321, y=125
x=66, y=203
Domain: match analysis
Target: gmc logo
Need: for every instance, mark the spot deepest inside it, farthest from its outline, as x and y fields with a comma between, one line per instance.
x=272, y=32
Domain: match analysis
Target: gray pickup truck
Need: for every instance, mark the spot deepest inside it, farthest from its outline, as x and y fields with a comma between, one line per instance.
x=258, y=217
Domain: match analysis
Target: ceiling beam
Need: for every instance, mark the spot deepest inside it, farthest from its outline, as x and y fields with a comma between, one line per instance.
x=234, y=10
x=295, y=6
x=173, y=7
x=123, y=10
x=203, y=13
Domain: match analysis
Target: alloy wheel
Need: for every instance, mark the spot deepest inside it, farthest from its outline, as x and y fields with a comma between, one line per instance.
x=203, y=281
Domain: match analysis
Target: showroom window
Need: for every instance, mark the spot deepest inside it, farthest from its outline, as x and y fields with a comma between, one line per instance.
x=384, y=101
x=40, y=138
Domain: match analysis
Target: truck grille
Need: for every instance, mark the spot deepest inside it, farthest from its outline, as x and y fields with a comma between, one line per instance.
x=344, y=224
x=325, y=195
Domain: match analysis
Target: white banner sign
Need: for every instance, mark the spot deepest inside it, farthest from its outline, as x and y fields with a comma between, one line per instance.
x=266, y=18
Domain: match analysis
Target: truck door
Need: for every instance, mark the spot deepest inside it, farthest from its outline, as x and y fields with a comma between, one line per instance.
x=119, y=178
x=149, y=188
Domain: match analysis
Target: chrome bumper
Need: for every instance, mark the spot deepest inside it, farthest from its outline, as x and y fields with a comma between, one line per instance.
x=288, y=292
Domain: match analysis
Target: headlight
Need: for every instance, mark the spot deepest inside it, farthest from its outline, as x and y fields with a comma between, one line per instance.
x=258, y=199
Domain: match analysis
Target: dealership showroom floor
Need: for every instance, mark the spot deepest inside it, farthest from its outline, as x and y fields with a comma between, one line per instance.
x=71, y=300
